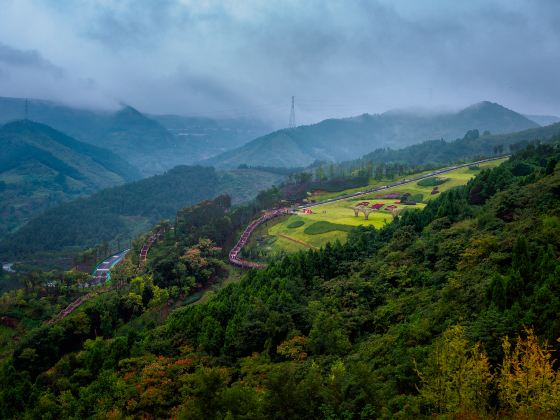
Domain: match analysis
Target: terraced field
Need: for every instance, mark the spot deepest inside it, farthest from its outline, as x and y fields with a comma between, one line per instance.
x=332, y=221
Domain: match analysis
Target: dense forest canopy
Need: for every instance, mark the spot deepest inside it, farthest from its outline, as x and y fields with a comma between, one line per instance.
x=41, y=167
x=118, y=214
x=358, y=330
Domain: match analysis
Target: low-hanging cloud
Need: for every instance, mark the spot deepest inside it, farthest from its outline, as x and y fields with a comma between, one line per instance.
x=247, y=58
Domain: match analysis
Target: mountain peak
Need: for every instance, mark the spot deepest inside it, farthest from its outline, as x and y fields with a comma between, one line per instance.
x=485, y=106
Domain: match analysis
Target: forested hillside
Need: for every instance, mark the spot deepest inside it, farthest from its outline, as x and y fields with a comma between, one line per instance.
x=152, y=143
x=336, y=140
x=41, y=167
x=409, y=320
x=119, y=214
x=471, y=146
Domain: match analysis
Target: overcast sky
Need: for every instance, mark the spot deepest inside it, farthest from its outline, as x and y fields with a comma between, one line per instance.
x=246, y=58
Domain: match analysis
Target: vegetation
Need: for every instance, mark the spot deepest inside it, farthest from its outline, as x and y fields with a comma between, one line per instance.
x=296, y=224
x=434, y=181
x=151, y=143
x=410, y=196
x=337, y=140
x=450, y=310
x=323, y=226
x=41, y=167
x=118, y=214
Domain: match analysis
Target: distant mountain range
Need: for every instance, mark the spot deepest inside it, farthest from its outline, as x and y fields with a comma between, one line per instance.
x=152, y=144
x=440, y=152
x=544, y=119
x=41, y=167
x=344, y=139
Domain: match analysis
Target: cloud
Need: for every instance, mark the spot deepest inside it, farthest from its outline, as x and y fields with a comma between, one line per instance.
x=339, y=57
x=14, y=57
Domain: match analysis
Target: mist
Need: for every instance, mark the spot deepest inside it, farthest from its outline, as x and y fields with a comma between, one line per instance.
x=246, y=59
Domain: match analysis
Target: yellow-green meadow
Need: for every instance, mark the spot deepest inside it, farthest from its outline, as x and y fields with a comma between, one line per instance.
x=287, y=234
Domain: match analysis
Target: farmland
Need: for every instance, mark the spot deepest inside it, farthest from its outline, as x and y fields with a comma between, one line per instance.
x=332, y=221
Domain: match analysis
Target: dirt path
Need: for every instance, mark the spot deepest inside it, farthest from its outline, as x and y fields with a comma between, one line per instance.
x=297, y=241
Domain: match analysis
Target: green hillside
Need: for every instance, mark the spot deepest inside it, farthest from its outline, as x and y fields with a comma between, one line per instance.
x=343, y=139
x=449, y=311
x=152, y=143
x=471, y=146
x=331, y=222
x=120, y=213
x=41, y=167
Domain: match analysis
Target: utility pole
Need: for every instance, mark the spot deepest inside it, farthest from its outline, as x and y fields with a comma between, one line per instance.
x=292, y=123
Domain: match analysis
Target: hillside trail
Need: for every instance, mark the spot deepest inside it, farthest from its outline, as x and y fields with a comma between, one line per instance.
x=102, y=274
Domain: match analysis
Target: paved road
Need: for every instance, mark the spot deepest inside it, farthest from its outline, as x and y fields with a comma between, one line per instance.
x=101, y=273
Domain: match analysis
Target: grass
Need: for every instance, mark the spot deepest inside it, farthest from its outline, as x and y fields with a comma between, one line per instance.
x=332, y=221
x=431, y=182
x=323, y=226
x=296, y=224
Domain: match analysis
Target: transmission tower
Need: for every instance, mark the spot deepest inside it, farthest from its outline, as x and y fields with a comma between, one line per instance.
x=292, y=123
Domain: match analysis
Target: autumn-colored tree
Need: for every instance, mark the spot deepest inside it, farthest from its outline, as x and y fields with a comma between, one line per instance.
x=528, y=385
x=293, y=348
x=457, y=377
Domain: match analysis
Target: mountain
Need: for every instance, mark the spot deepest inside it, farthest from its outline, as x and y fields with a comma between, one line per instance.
x=440, y=152
x=543, y=119
x=213, y=136
x=120, y=213
x=41, y=167
x=344, y=139
x=450, y=311
x=152, y=143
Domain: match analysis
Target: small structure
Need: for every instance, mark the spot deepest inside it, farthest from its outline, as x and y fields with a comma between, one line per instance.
x=362, y=209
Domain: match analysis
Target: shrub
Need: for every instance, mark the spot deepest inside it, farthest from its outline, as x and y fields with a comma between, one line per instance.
x=416, y=197
x=431, y=182
x=296, y=224
x=323, y=226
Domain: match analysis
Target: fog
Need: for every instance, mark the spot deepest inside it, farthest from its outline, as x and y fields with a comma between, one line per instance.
x=246, y=58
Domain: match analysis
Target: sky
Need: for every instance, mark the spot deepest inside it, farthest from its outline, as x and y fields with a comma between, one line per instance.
x=247, y=58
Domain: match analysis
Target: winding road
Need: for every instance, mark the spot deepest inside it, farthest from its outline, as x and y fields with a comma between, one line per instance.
x=102, y=272
x=270, y=214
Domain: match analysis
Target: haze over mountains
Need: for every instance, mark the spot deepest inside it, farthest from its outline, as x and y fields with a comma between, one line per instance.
x=151, y=144
x=343, y=139
x=41, y=167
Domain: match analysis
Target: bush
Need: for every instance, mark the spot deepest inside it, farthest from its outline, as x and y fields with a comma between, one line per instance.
x=431, y=182
x=416, y=197
x=296, y=224
x=323, y=226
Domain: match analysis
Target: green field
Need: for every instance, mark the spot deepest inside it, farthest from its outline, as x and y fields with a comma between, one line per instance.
x=288, y=234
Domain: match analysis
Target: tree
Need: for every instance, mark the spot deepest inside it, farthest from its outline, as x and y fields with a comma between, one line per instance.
x=528, y=385
x=457, y=378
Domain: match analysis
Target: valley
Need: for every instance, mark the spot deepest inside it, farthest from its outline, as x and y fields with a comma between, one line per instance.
x=279, y=210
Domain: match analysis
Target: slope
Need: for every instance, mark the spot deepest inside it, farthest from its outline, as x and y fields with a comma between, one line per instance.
x=406, y=321
x=471, y=146
x=41, y=167
x=152, y=143
x=344, y=139
x=120, y=213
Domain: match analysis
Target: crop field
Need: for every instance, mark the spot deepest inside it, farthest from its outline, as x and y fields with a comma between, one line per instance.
x=332, y=221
